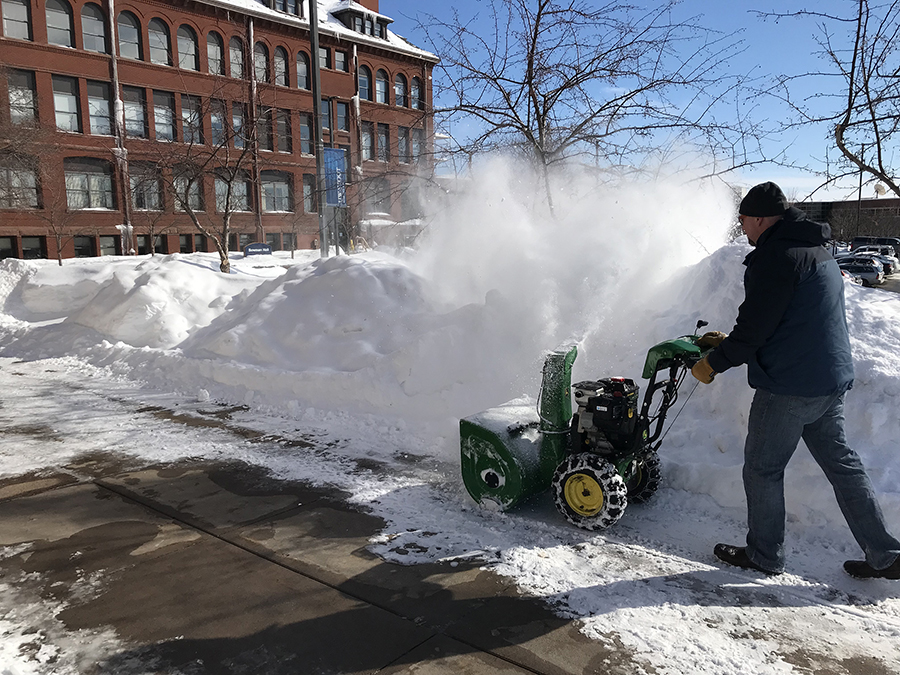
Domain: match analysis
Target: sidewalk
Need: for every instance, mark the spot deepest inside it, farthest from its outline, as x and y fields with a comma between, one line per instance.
x=214, y=568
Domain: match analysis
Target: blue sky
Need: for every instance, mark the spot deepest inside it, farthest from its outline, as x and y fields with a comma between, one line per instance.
x=771, y=48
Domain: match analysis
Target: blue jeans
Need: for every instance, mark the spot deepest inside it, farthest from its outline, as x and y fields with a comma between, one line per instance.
x=777, y=423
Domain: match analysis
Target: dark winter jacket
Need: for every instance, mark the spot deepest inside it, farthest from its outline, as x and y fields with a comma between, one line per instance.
x=791, y=329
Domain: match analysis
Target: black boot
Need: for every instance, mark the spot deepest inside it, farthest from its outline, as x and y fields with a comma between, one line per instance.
x=737, y=556
x=863, y=570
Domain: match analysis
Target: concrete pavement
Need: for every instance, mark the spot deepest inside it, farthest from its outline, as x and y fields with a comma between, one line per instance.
x=218, y=568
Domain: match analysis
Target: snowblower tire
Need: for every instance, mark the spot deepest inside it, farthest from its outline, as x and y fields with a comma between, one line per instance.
x=644, y=481
x=589, y=492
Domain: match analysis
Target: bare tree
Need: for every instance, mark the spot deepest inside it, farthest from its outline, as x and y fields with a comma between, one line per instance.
x=859, y=49
x=607, y=83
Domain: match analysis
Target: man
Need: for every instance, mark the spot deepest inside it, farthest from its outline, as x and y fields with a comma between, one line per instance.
x=791, y=331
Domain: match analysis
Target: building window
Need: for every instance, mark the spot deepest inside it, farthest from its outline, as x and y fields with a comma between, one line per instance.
x=309, y=193
x=369, y=27
x=306, y=134
x=18, y=187
x=378, y=195
x=235, y=199
x=282, y=76
x=324, y=57
x=88, y=184
x=365, y=83
x=238, y=122
x=264, y=127
x=285, y=141
x=93, y=29
x=146, y=193
x=417, y=141
x=188, y=194
x=403, y=145
x=384, y=143
x=343, y=116
x=380, y=30
x=302, y=70
x=108, y=245
x=130, y=37
x=276, y=191
x=367, y=141
x=34, y=247
x=65, y=102
x=236, y=57
x=340, y=61
x=325, y=113
x=400, y=92
x=60, y=29
x=381, y=87
x=134, y=102
x=217, y=122
x=164, y=115
x=358, y=24
x=22, y=99
x=188, y=52
x=215, y=54
x=158, y=38
x=416, y=94
x=191, y=119
x=99, y=108
x=261, y=62
x=7, y=248
x=84, y=246
x=17, y=19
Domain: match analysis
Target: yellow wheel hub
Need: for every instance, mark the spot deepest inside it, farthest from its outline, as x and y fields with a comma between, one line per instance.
x=584, y=494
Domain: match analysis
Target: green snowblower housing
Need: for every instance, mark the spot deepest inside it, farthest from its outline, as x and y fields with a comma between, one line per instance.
x=511, y=452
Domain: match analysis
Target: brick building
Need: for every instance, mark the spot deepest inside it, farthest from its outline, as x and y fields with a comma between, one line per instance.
x=877, y=217
x=125, y=123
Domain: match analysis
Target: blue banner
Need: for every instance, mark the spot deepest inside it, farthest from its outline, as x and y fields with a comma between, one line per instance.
x=335, y=177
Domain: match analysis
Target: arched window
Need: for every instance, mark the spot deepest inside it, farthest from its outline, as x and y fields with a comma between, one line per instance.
x=261, y=62
x=365, y=83
x=88, y=183
x=302, y=70
x=160, y=47
x=381, y=87
x=281, y=67
x=400, y=92
x=93, y=28
x=17, y=19
x=416, y=94
x=236, y=56
x=130, y=37
x=215, y=54
x=59, y=23
x=188, y=53
x=276, y=191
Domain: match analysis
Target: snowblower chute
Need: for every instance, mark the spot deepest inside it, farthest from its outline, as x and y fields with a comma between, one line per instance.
x=597, y=457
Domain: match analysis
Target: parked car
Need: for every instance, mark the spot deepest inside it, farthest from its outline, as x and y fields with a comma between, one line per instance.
x=851, y=278
x=893, y=242
x=884, y=254
x=871, y=272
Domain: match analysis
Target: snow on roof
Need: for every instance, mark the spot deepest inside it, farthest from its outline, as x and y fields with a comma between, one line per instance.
x=328, y=23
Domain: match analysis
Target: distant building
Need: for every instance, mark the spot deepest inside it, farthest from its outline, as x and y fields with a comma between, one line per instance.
x=114, y=127
x=848, y=219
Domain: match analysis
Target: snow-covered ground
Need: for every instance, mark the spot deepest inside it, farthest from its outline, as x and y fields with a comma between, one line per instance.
x=389, y=349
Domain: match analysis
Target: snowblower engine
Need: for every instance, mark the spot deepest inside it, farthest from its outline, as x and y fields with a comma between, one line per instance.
x=607, y=420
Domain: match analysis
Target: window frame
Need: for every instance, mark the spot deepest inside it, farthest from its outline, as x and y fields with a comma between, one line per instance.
x=214, y=42
x=270, y=181
x=98, y=183
x=193, y=56
x=105, y=88
x=157, y=29
x=73, y=97
x=135, y=28
x=60, y=8
x=92, y=38
x=12, y=20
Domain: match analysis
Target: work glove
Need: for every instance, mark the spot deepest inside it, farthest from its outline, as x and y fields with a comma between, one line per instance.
x=711, y=339
x=703, y=371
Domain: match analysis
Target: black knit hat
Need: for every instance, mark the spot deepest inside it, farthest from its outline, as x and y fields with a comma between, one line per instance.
x=764, y=200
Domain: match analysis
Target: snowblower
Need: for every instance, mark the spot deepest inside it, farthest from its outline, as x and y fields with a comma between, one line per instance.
x=596, y=460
